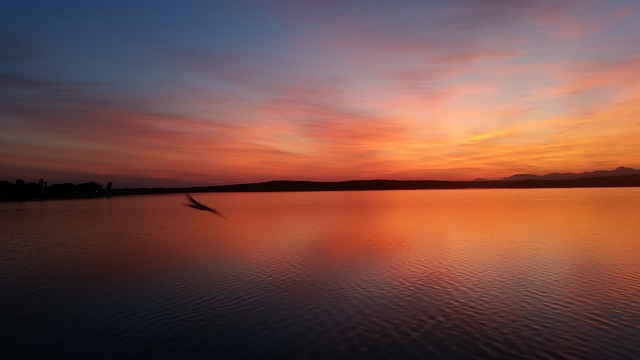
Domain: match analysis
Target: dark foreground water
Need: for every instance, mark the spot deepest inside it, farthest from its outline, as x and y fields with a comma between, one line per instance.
x=547, y=273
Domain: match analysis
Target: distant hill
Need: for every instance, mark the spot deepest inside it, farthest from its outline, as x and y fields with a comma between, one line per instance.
x=621, y=171
x=620, y=177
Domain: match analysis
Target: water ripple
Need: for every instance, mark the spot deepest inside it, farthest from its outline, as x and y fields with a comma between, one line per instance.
x=412, y=276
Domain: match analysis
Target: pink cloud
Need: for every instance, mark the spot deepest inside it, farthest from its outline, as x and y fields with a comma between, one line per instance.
x=485, y=87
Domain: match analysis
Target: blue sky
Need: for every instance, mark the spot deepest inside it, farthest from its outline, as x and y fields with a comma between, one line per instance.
x=163, y=93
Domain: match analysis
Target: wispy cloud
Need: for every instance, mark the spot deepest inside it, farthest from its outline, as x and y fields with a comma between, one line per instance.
x=323, y=90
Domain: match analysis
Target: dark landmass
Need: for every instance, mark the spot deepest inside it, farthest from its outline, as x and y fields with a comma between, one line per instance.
x=283, y=185
x=621, y=171
x=21, y=191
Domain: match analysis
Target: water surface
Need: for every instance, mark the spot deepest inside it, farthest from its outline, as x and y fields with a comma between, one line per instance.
x=528, y=273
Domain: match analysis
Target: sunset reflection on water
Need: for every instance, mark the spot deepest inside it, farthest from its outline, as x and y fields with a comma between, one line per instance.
x=489, y=273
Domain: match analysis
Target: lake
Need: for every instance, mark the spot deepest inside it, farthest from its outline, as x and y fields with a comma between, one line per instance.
x=502, y=273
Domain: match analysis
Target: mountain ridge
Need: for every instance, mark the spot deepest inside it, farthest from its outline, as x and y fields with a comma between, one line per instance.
x=619, y=177
x=619, y=171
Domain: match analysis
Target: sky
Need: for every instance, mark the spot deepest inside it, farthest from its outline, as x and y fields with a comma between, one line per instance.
x=167, y=93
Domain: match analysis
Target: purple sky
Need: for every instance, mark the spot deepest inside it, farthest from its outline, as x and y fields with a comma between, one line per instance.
x=159, y=93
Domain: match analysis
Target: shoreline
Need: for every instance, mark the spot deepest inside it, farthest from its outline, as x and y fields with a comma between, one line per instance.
x=349, y=185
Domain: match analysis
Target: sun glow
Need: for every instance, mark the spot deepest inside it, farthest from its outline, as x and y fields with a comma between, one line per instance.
x=325, y=93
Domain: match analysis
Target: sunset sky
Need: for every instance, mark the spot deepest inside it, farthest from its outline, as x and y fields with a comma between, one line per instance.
x=168, y=93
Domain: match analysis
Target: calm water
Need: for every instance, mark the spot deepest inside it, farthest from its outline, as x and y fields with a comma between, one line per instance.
x=546, y=273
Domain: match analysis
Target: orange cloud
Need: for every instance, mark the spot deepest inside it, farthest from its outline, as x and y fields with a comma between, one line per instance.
x=476, y=89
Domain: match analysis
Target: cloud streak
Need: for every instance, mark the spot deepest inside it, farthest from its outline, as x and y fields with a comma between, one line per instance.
x=320, y=90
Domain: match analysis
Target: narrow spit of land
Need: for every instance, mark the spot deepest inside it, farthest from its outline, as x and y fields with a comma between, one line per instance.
x=32, y=191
